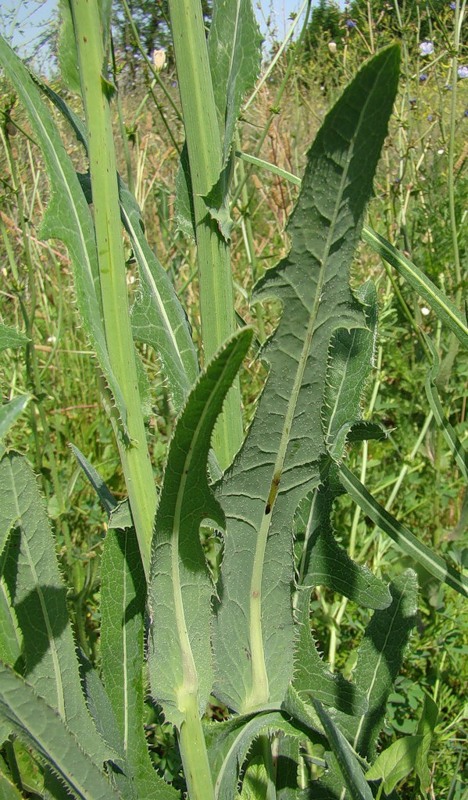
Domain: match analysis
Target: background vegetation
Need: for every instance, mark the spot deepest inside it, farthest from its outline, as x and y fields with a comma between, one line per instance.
x=420, y=206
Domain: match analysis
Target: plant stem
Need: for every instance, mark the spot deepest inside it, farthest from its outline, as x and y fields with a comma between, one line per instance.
x=205, y=158
x=131, y=432
x=193, y=753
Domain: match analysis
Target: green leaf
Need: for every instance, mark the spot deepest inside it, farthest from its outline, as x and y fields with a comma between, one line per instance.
x=105, y=495
x=255, y=782
x=280, y=461
x=440, y=304
x=11, y=640
x=38, y=725
x=456, y=447
x=287, y=761
x=324, y=562
x=379, y=660
x=234, y=50
x=312, y=678
x=396, y=762
x=9, y=413
x=8, y=790
x=123, y=598
x=180, y=588
x=406, y=540
x=67, y=217
x=157, y=315
x=67, y=53
x=10, y=337
x=38, y=597
x=347, y=762
x=350, y=362
x=229, y=742
x=158, y=318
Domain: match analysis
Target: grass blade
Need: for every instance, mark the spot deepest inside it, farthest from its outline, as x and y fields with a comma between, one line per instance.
x=456, y=447
x=406, y=540
x=67, y=217
x=437, y=300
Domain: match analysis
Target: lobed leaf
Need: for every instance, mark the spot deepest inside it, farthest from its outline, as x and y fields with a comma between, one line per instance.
x=38, y=597
x=348, y=764
x=229, y=743
x=312, y=677
x=280, y=461
x=158, y=318
x=157, y=315
x=326, y=563
x=378, y=662
x=234, y=51
x=10, y=337
x=350, y=362
x=39, y=725
x=180, y=587
x=123, y=596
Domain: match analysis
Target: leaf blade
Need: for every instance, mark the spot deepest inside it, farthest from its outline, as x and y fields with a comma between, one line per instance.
x=280, y=461
x=180, y=587
x=38, y=724
x=38, y=598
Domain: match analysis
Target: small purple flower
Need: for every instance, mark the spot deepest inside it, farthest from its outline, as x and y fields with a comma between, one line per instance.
x=426, y=48
x=462, y=72
x=453, y=6
x=430, y=117
x=465, y=114
x=350, y=23
x=422, y=77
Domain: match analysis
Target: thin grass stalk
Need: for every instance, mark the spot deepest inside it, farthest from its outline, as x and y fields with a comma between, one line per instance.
x=205, y=157
x=132, y=445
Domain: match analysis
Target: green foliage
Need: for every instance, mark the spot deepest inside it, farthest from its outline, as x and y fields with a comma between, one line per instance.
x=326, y=22
x=217, y=597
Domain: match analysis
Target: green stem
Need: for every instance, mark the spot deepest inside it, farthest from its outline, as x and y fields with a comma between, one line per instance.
x=205, y=157
x=193, y=752
x=132, y=438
